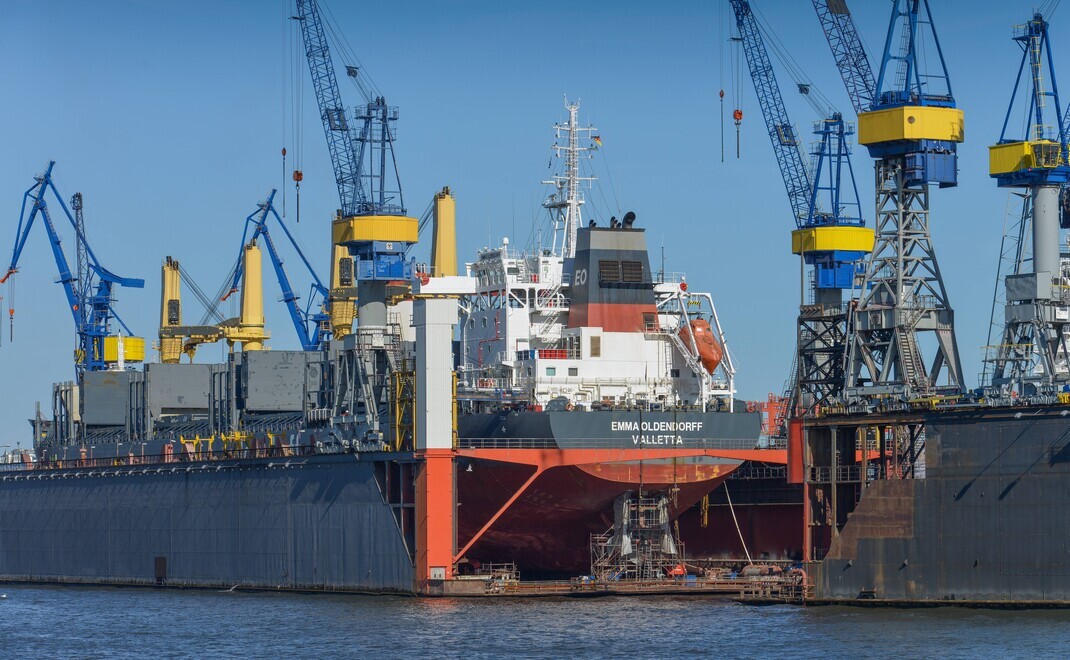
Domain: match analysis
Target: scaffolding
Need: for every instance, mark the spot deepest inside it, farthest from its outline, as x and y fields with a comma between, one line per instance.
x=641, y=545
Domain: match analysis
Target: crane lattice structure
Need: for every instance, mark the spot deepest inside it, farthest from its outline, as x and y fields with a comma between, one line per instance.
x=830, y=234
x=370, y=232
x=89, y=290
x=1033, y=356
x=908, y=121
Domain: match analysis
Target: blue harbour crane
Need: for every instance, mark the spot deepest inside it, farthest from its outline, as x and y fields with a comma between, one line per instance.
x=310, y=321
x=830, y=234
x=909, y=122
x=89, y=291
x=1032, y=356
x=371, y=231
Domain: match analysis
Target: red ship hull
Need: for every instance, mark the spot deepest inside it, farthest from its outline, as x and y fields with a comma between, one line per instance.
x=548, y=528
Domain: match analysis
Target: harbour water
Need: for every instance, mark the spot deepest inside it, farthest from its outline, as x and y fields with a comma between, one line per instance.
x=82, y=622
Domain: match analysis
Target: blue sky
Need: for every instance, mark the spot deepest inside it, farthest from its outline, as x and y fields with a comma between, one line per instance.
x=169, y=118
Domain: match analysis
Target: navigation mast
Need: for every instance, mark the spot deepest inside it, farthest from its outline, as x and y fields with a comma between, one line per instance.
x=565, y=202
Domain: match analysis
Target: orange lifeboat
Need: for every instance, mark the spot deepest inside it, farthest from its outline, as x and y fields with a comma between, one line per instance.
x=709, y=350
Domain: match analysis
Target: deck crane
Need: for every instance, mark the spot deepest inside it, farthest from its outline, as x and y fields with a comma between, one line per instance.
x=908, y=121
x=370, y=232
x=90, y=292
x=311, y=320
x=832, y=241
x=1033, y=356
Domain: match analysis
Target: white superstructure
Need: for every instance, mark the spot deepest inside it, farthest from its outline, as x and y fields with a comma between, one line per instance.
x=518, y=346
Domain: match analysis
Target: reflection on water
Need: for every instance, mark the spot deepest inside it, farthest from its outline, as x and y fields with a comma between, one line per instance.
x=37, y=621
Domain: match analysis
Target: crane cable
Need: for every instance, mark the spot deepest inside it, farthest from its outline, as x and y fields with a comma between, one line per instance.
x=720, y=67
x=295, y=45
x=817, y=100
x=284, y=53
x=341, y=45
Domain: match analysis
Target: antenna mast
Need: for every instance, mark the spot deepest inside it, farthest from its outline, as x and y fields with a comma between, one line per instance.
x=566, y=200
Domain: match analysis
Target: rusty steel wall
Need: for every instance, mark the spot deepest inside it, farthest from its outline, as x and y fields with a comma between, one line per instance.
x=315, y=522
x=988, y=522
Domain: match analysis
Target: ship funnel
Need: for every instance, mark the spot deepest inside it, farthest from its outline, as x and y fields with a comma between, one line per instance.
x=444, y=243
x=629, y=219
x=170, y=312
x=612, y=287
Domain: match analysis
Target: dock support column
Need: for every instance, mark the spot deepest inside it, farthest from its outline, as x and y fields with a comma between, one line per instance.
x=436, y=501
x=436, y=528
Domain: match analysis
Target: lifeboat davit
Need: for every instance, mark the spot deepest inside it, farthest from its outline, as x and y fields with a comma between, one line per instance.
x=709, y=349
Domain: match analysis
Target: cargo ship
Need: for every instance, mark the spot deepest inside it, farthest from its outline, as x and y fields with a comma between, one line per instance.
x=581, y=347
x=378, y=463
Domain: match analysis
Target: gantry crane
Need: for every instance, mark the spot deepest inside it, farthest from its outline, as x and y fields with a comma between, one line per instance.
x=830, y=234
x=1033, y=356
x=908, y=121
x=90, y=291
x=310, y=321
x=370, y=232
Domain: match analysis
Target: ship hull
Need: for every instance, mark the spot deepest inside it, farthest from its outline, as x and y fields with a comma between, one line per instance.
x=547, y=529
x=311, y=523
x=986, y=525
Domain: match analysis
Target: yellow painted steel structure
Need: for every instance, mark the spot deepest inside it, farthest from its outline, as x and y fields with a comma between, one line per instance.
x=247, y=329
x=825, y=239
x=444, y=242
x=1026, y=155
x=364, y=228
x=343, y=293
x=911, y=123
x=251, y=332
x=133, y=349
x=170, y=312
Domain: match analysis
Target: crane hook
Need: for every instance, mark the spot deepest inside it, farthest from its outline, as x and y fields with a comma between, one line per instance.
x=298, y=176
x=737, y=115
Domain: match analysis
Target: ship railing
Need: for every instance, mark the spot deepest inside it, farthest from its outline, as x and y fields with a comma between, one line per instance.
x=669, y=278
x=489, y=384
x=156, y=460
x=549, y=354
x=644, y=441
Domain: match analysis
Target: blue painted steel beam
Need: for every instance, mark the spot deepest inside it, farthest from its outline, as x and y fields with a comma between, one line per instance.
x=847, y=51
x=92, y=313
x=340, y=142
x=789, y=157
x=308, y=322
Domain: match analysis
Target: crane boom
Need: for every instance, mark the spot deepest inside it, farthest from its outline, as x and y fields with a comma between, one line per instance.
x=309, y=321
x=340, y=142
x=847, y=51
x=92, y=311
x=797, y=178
